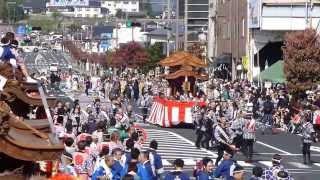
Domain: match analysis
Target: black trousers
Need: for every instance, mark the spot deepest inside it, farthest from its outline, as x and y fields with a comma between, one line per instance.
x=238, y=141
x=200, y=135
x=87, y=91
x=248, y=148
x=206, y=140
x=144, y=113
x=306, y=148
x=220, y=148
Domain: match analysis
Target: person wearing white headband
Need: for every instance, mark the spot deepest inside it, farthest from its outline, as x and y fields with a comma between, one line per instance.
x=271, y=173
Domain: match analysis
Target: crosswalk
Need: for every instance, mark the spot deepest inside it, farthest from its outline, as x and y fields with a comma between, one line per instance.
x=172, y=146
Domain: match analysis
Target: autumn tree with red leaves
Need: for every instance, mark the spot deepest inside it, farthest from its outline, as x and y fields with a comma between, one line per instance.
x=130, y=55
x=301, y=61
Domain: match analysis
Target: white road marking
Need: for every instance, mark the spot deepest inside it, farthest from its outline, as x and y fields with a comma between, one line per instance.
x=244, y=164
x=266, y=163
x=274, y=148
x=166, y=162
x=192, y=143
x=316, y=164
x=189, y=162
x=299, y=165
x=315, y=148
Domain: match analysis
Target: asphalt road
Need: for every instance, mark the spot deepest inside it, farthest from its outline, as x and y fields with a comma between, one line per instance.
x=179, y=143
x=38, y=61
x=287, y=145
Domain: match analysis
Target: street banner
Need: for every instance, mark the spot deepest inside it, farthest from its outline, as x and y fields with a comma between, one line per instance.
x=254, y=13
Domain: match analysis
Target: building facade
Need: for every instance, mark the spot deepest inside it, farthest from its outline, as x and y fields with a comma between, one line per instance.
x=231, y=33
x=130, y=6
x=93, y=9
x=274, y=19
x=196, y=21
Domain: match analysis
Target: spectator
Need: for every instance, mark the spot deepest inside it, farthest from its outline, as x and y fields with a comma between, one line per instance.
x=237, y=173
x=117, y=168
x=144, y=167
x=207, y=170
x=155, y=159
x=223, y=170
x=104, y=169
x=178, y=172
x=257, y=172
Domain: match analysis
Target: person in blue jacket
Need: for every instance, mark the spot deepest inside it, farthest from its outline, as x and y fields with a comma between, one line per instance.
x=178, y=172
x=144, y=167
x=223, y=170
x=104, y=170
x=5, y=50
x=117, y=168
x=155, y=159
x=207, y=170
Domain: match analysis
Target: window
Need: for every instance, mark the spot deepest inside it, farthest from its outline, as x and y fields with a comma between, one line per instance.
x=88, y=9
x=109, y=4
x=125, y=2
x=88, y=15
x=133, y=2
x=134, y=10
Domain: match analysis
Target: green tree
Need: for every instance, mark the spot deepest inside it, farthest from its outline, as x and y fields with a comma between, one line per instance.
x=75, y=27
x=3, y=10
x=155, y=55
x=147, y=8
x=58, y=18
x=47, y=25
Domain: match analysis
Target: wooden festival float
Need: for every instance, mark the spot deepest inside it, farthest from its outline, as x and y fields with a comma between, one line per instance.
x=184, y=70
x=24, y=141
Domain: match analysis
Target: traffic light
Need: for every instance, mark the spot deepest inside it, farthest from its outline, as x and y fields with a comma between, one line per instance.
x=129, y=23
x=136, y=24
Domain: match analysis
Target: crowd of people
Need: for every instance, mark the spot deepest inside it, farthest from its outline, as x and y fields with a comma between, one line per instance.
x=102, y=140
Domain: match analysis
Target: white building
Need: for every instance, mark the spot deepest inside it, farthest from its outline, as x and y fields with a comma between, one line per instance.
x=130, y=6
x=270, y=20
x=123, y=34
x=91, y=10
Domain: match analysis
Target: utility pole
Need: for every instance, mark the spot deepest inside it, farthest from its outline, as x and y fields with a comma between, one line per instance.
x=177, y=26
x=212, y=30
x=168, y=28
x=185, y=48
